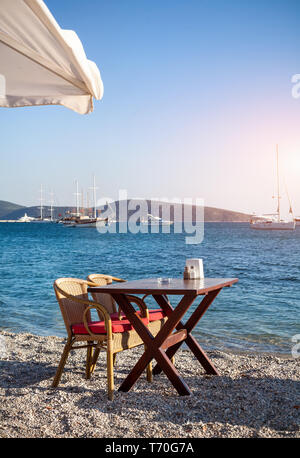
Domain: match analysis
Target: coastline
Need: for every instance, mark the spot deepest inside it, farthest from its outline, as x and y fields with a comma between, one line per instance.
x=255, y=396
x=194, y=222
x=225, y=349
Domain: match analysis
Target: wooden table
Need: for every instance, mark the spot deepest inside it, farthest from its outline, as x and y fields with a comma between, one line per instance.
x=165, y=344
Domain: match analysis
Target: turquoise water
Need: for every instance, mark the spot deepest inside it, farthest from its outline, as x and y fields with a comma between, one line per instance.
x=260, y=313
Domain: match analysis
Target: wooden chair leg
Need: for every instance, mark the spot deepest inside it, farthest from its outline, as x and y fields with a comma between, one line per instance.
x=149, y=370
x=114, y=358
x=94, y=359
x=149, y=373
x=110, y=375
x=88, y=362
x=62, y=363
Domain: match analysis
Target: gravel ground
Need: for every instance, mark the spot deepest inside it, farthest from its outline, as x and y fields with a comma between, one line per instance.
x=256, y=395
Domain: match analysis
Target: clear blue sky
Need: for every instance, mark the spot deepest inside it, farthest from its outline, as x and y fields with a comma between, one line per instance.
x=196, y=96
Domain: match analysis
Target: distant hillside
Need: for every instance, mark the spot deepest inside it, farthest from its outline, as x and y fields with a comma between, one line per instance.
x=161, y=209
x=8, y=207
x=212, y=214
x=175, y=211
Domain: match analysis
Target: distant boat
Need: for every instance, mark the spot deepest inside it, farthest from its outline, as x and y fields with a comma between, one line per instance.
x=155, y=221
x=41, y=218
x=69, y=219
x=86, y=221
x=31, y=219
x=274, y=223
x=44, y=220
x=297, y=220
x=25, y=219
x=112, y=217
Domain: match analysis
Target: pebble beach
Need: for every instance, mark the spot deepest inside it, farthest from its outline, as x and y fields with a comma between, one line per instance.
x=257, y=395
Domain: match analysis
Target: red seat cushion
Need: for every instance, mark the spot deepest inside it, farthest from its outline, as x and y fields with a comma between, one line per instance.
x=157, y=314
x=154, y=315
x=98, y=327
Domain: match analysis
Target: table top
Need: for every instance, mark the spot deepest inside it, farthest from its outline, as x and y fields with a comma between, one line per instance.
x=177, y=286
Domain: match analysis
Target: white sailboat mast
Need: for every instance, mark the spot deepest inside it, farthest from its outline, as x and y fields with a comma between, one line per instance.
x=41, y=200
x=77, y=194
x=278, y=186
x=95, y=201
x=51, y=205
x=88, y=203
x=94, y=196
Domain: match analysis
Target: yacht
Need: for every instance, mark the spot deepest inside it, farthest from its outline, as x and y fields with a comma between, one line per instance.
x=25, y=219
x=86, y=221
x=274, y=221
x=155, y=221
x=271, y=224
x=41, y=218
x=69, y=219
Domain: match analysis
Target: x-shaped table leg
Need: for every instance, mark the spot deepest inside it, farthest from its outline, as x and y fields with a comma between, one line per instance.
x=153, y=344
x=189, y=326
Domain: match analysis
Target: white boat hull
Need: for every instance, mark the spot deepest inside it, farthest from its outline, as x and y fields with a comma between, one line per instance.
x=89, y=224
x=82, y=225
x=274, y=225
x=44, y=221
x=153, y=223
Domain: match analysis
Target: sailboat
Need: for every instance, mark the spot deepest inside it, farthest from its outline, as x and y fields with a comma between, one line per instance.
x=275, y=223
x=112, y=219
x=85, y=220
x=41, y=218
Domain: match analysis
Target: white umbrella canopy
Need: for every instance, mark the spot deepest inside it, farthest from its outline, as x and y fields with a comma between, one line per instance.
x=41, y=64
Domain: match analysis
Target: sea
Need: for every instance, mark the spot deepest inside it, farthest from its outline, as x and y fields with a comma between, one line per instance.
x=260, y=313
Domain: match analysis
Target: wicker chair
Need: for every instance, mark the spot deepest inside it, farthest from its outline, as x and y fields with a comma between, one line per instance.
x=112, y=308
x=111, y=334
x=104, y=299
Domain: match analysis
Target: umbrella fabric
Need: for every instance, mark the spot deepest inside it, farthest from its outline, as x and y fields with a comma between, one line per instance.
x=41, y=64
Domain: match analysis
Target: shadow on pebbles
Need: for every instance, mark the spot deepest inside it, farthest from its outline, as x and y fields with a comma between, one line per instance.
x=255, y=396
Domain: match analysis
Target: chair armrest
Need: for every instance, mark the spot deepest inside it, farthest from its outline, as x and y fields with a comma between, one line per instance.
x=91, y=283
x=140, y=303
x=101, y=310
x=118, y=279
x=91, y=304
x=106, y=277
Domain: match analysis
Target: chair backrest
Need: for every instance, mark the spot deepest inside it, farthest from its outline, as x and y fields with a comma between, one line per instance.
x=72, y=311
x=104, y=299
